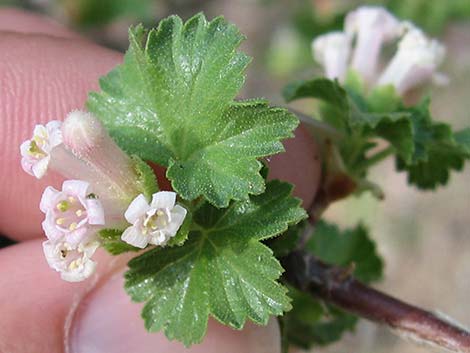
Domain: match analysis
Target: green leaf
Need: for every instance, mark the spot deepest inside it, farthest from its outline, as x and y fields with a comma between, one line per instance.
x=111, y=241
x=337, y=110
x=223, y=270
x=462, y=138
x=172, y=102
x=146, y=177
x=314, y=323
x=344, y=248
x=438, y=150
x=287, y=241
x=351, y=113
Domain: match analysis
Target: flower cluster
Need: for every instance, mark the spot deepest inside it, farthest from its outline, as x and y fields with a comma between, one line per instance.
x=359, y=48
x=102, y=191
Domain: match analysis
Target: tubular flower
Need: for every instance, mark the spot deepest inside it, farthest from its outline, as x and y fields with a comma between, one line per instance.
x=366, y=30
x=155, y=223
x=72, y=261
x=332, y=50
x=414, y=63
x=372, y=26
x=73, y=215
x=36, y=153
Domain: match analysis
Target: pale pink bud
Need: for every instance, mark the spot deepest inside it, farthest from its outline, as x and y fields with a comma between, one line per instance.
x=372, y=27
x=332, y=51
x=72, y=261
x=155, y=223
x=414, y=63
x=110, y=170
x=36, y=153
x=73, y=215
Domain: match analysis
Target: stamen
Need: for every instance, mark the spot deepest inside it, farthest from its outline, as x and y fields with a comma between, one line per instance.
x=63, y=206
x=63, y=254
x=74, y=264
x=73, y=226
x=60, y=221
x=160, y=213
x=79, y=213
x=71, y=199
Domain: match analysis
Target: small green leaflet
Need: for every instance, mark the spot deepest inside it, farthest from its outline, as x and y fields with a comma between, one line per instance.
x=146, y=177
x=438, y=150
x=111, y=241
x=223, y=269
x=172, y=102
x=343, y=248
x=348, y=112
x=425, y=149
x=312, y=322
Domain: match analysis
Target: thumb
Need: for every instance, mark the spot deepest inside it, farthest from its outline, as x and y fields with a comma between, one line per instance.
x=42, y=314
x=106, y=321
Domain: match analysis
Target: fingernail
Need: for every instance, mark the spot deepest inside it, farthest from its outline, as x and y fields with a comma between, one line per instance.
x=107, y=321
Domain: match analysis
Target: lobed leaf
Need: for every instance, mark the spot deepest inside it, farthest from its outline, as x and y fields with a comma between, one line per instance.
x=223, y=269
x=172, y=102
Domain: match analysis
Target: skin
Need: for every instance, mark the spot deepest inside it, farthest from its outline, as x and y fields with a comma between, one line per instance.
x=46, y=71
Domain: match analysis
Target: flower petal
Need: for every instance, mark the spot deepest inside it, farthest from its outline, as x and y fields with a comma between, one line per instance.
x=76, y=236
x=136, y=209
x=95, y=212
x=40, y=131
x=76, y=188
x=163, y=199
x=48, y=198
x=134, y=237
x=24, y=148
x=27, y=166
x=50, y=228
x=178, y=214
x=373, y=27
x=81, y=273
x=332, y=51
x=39, y=168
x=50, y=253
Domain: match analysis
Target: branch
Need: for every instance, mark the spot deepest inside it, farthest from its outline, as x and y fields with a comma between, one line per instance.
x=337, y=286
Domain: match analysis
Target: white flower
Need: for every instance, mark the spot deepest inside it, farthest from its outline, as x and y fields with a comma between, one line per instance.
x=72, y=261
x=73, y=214
x=332, y=51
x=367, y=29
x=155, y=223
x=372, y=26
x=36, y=153
x=415, y=61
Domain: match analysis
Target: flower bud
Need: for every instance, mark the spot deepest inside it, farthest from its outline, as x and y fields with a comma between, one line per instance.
x=372, y=26
x=415, y=61
x=332, y=51
x=110, y=170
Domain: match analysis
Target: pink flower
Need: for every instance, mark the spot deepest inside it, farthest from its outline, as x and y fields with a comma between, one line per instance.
x=73, y=214
x=72, y=261
x=372, y=26
x=155, y=223
x=415, y=62
x=36, y=153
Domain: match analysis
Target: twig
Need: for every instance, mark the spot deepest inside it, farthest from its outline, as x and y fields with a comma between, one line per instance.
x=337, y=286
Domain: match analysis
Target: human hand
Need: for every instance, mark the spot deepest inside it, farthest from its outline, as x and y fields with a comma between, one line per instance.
x=45, y=72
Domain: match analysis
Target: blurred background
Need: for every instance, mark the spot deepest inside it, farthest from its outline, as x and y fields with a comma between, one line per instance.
x=424, y=238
